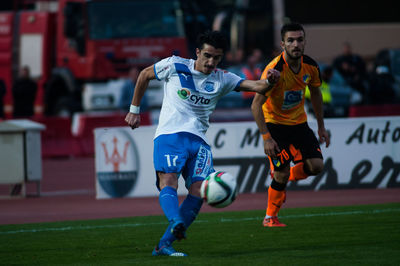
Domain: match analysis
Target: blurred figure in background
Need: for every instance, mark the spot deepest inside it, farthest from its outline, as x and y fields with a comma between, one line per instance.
x=326, y=75
x=252, y=70
x=2, y=93
x=234, y=61
x=24, y=93
x=381, y=89
x=352, y=68
x=128, y=89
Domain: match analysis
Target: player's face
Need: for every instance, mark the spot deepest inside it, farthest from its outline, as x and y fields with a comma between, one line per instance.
x=208, y=58
x=293, y=44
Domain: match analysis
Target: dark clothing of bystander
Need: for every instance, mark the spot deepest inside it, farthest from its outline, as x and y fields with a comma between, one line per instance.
x=2, y=93
x=24, y=93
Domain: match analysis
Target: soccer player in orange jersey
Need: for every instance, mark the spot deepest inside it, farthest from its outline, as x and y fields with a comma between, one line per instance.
x=282, y=121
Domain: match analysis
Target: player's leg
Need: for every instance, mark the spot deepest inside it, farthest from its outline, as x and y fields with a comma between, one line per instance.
x=309, y=157
x=198, y=167
x=188, y=211
x=276, y=197
x=191, y=206
x=296, y=171
x=169, y=159
x=168, y=198
x=313, y=166
x=280, y=167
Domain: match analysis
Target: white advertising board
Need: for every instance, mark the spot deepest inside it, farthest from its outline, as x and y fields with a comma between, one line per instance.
x=364, y=153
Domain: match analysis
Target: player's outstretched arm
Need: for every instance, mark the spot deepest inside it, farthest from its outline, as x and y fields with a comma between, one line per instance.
x=261, y=86
x=133, y=116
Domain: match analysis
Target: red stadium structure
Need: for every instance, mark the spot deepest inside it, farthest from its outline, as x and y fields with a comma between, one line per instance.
x=70, y=43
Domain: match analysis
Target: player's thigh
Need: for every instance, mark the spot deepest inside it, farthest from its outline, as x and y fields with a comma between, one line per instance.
x=282, y=174
x=199, y=164
x=314, y=165
x=307, y=143
x=169, y=157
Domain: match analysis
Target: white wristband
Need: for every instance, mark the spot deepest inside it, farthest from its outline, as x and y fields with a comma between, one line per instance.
x=267, y=81
x=134, y=109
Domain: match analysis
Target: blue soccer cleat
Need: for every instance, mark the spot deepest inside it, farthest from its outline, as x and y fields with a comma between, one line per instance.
x=167, y=251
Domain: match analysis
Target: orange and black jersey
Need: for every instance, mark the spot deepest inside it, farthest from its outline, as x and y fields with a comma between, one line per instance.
x=285, y=102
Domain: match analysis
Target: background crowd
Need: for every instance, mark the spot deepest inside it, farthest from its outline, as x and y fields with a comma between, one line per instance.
x=348, y=80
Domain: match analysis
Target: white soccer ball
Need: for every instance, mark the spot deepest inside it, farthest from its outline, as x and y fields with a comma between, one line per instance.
x=219, y=189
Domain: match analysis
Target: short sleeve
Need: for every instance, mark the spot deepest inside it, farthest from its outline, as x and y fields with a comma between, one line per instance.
x=316, y=78
x=231, y=81
x=162, y=69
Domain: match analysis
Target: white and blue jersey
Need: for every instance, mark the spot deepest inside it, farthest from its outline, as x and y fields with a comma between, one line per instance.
x=180, y=144
x=190, y=96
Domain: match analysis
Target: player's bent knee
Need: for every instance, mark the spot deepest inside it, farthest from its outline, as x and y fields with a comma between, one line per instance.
x=314, y=167
x=168, y=179
x=195, y=188
x=281, y=177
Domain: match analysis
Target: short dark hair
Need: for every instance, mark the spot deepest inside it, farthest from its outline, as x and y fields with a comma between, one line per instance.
x=292, y=26
x=213, y=38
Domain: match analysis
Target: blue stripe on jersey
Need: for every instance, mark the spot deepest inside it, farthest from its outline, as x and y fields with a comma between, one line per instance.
x=185, y=76
x=238, y=84
x=155, y=72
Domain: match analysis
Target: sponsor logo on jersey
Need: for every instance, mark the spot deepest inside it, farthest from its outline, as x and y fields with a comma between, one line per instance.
x=291, y=99
x=184, y=93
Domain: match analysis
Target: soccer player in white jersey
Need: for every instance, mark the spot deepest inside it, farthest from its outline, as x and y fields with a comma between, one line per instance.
x=191, y=91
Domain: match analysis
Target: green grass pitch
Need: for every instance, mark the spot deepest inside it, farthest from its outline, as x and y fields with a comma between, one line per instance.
x=351, y=235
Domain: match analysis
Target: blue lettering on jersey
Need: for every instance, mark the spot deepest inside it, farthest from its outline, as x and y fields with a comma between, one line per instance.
x=291, y=99
x=203, y=162
x=185, y=76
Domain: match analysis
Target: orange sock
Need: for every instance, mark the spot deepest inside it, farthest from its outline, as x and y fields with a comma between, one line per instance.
x=297, y=172
x=275, y=201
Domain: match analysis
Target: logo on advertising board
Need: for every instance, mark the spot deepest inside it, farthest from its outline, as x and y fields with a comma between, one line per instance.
x=117, y=163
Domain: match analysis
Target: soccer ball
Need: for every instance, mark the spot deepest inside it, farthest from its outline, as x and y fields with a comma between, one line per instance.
x=219, y=189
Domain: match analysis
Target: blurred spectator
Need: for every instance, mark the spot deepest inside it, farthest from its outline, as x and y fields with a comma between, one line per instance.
x=127, y=91
x=352, y=68
x=259, y=58
x=252, y=70
x=234, y=61
x=381, y=89
x=2, y=93
x=326, y=75
x=24, y=93
x=274, y=53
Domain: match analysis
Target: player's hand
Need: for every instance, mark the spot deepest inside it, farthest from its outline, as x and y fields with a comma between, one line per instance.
x=324, y=137
x=133, y=120
x=273, y=76
x=271, y=148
